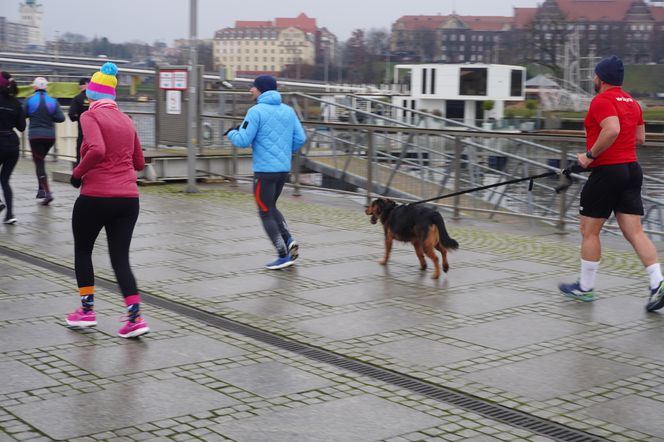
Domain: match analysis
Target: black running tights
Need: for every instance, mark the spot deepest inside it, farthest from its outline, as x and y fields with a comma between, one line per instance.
x=118, y=216
x=40, y=148
x=8, y=160
x=267, y=188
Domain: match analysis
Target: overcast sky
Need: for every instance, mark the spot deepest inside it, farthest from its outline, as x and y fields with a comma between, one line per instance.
x=151, y=20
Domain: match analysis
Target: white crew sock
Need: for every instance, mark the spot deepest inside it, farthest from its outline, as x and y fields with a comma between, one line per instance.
x=588, y=273
x=655, y=274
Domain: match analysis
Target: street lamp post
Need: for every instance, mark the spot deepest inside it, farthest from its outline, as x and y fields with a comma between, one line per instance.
x=192, y=126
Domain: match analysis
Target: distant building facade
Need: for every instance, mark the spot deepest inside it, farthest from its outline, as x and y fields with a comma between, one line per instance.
x=634, y=29
x=451, y=38
x=31, y=16
x=266, y=47
x=26, y=34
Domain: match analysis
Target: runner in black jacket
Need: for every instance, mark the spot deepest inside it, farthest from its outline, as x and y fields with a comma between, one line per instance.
x=11, y=117
x=79, y=104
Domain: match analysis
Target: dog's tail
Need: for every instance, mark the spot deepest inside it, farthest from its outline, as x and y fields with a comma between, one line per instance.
x=445, y=238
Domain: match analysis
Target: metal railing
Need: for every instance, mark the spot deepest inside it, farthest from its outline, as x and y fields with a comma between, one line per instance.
x=416, y=155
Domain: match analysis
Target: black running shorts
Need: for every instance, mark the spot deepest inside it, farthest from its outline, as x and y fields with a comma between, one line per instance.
x=612, y=188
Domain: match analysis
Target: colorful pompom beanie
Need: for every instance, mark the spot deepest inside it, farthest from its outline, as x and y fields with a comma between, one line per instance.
x=103, y=83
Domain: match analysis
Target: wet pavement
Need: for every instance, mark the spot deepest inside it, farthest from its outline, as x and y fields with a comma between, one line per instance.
x=493, y=328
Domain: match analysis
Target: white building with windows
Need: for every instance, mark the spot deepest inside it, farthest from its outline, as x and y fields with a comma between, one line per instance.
x=270, y=47
x=31, y=16
x=458, y=91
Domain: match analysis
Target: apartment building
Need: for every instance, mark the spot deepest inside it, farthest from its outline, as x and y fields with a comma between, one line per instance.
x=633, y=29
x=270, y=47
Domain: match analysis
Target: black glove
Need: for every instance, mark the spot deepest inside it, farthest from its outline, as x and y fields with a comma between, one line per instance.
x=76, y=182
x=574, y=168
x=567, y=173
x=232, y=128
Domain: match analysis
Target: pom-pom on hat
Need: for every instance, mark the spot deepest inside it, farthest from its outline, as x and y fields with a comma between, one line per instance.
x=611, y=70
x=40, y=83
x=103, y=83
x=265, y=83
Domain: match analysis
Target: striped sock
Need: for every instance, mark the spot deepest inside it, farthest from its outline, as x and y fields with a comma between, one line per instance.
x=87, y=297
x=133, y=303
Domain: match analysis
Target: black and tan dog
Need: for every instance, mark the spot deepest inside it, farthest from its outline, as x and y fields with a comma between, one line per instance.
x=414, y=223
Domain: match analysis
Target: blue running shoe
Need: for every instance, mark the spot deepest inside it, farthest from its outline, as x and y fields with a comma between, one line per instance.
x=293, y=248
x=574, y=291
x=656, y=300
x=281, y=263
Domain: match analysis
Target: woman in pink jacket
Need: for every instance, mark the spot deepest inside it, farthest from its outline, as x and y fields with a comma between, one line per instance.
x=110, y=155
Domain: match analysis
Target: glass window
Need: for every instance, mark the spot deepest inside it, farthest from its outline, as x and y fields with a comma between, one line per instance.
x=472, y=81
x=516, y=84
x=424, y=81
x=433, y=81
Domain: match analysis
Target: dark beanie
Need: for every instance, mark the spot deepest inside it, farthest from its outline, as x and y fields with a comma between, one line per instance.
x=611, y=70
x=265, y=83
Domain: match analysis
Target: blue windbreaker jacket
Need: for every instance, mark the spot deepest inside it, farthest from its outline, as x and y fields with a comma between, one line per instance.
x=274, y=132
x=43, y=111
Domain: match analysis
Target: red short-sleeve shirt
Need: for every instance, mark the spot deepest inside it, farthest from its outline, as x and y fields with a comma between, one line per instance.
x=614, y=102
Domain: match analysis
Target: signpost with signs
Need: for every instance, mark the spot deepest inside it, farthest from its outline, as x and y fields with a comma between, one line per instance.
x=173, y=105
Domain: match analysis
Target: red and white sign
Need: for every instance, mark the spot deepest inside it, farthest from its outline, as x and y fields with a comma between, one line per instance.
x=173, y=80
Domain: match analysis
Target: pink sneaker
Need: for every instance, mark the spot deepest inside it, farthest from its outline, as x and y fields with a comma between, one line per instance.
x=134, y=329
x=81, y=319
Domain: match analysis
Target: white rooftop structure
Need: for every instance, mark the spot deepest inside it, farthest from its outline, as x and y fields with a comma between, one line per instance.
x=458, y=91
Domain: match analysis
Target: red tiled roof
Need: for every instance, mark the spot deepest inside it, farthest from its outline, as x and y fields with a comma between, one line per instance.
x=252, y=24
x=302, y=22
x=594, y=10
x=523, y=17
x=486, y=22
x=657, y=13
x=430, y=22
x=474, y=22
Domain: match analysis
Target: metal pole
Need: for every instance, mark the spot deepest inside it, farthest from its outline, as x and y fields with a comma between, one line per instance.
x=457, y=176
x=370, y=159
x=296, y=163
x=192, y=129
x=562, y=203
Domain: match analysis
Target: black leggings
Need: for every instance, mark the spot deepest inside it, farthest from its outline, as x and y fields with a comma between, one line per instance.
x=40, y=148
x=8, y=160
x=267, y=188
x=118, y=216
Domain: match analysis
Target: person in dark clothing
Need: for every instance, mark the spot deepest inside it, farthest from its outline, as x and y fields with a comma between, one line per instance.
x=43, y=111
x=11, y=117
x=79, y=104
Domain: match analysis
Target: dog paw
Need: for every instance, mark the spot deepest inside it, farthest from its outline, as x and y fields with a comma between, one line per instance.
x=382, y=262
x=435, y=276
x=446, y=268
x=423, y=267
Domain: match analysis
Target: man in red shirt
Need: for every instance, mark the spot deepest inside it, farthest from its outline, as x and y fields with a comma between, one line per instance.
x=614, y=127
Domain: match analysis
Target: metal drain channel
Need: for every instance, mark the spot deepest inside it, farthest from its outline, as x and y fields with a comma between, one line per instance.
x=461, y=400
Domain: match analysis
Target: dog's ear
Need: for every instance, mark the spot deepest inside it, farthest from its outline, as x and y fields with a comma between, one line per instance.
x=388, y=203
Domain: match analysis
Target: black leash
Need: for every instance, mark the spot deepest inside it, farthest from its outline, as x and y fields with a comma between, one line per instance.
x=567, y=172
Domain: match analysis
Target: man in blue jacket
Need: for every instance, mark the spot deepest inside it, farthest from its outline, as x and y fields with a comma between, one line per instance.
x=274, y=132
x=43, y=111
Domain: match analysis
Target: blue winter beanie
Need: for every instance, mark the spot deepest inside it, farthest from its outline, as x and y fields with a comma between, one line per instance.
x=611, y=70
x=265, y=83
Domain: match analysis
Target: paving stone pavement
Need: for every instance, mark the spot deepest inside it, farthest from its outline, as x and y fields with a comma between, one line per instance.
x=493, y=327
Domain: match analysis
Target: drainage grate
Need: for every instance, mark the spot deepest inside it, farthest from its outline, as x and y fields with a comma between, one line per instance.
x=461, y=400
